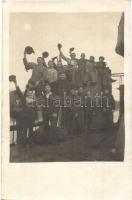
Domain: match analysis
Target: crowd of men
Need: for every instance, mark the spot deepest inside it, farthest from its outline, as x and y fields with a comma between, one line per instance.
x=76, y=96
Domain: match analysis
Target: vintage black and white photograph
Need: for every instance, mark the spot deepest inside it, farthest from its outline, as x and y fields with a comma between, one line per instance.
x=66, y=86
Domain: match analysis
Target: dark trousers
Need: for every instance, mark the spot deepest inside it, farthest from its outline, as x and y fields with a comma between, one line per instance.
x=75, y=121
x=25, y=122
x=22, y=132
x=49, y=117
x=87, y=118
x=108, y=120
x=65, y=117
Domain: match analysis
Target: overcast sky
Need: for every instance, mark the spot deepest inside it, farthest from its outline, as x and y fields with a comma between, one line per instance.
x=92, y=33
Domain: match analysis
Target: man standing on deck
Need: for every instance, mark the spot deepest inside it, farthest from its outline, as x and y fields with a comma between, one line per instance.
x=81, y=68
x=52, y=72
x=73, y=64
x=61, y=88
x=23, y=109
x=39, y=70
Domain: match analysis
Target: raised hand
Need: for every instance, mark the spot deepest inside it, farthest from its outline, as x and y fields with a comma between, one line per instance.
x=71, y=49
x=12, y=78
x=45, y=54
x=59, y=46
x=29, y=50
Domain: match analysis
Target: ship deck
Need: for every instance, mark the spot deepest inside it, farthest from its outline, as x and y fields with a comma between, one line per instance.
x=84, y=147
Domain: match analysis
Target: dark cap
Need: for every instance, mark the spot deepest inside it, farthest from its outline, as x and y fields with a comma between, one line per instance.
x=45, y=54
x=12, y=78
x=29, y=50
x=54, y=58
x=71, y=49
x=59, y=46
